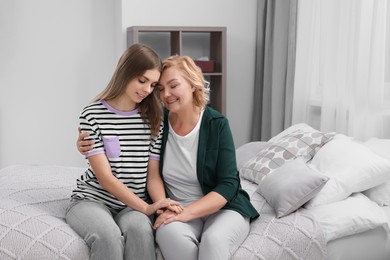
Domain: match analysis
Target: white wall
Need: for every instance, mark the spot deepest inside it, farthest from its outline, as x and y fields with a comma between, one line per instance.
x=56, y=55
x=240, y=19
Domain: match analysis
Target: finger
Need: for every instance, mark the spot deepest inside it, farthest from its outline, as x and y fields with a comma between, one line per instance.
x=166, y=214
x=85, y=143
x=170, y=220
x=176, y=209
x=161, y=204
x=84, y=149
x=179, y=207
x=83, y=135
x=157, y=223
x=175, y=203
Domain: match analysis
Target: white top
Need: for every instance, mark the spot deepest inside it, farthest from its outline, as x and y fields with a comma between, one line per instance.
x=180, y=165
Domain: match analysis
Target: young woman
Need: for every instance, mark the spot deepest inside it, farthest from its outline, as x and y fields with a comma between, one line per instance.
x=109, y=207
x=198, y=166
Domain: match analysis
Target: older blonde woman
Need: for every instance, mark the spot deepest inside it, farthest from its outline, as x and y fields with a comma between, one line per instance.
x=198, y=166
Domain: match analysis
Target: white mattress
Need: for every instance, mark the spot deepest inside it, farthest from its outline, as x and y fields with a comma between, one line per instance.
x=370, y=245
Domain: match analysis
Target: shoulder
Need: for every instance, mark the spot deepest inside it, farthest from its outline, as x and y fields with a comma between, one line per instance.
x=212, y=113
x=213, y=116
x=214, y=124
x=93, y=107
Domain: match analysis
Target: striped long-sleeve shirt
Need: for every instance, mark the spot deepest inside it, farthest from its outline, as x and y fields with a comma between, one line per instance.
x=126, y=140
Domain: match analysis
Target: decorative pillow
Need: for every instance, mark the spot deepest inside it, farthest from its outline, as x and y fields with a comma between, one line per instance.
x=290, y=186
x=355, y=214
x=247, y=151
x=380, y=194
x=300, y=126
x=351, y=166
x=298, y=143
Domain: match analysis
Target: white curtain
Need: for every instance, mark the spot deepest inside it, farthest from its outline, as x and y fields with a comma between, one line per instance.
x=340, y=81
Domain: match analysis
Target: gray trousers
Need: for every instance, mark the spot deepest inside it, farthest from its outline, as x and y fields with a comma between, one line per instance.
x=127, y=234
x=214, y=237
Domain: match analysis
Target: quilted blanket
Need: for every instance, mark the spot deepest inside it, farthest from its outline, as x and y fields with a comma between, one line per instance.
x=295, y=236
x=33, y=200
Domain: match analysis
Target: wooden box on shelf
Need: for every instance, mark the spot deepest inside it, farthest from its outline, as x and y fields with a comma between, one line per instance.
x=207, y=66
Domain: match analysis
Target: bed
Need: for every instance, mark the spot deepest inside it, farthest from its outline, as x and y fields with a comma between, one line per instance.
x=298, y=221
x=340, y=185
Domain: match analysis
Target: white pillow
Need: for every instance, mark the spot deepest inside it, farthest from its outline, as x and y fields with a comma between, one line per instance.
x=290, y=186
x=353, y=215
x=379, y=146
x=351, y=166
x=380, y=194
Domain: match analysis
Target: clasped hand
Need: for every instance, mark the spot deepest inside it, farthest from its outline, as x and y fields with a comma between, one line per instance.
x=164, y=204
x=167, y=216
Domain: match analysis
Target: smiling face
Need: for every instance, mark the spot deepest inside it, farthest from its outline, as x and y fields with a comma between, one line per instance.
x=140, y=87
x=175, y=91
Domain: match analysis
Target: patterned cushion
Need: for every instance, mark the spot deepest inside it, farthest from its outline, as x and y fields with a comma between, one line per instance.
x=303, y=142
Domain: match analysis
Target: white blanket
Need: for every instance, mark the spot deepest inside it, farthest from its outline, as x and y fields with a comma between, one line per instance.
x=33, y=200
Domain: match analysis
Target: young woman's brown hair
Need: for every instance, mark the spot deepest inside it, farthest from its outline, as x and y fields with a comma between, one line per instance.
x=137, y=59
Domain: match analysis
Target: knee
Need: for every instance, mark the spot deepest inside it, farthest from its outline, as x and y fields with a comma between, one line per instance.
x=172, y=237
x=138, y=225
x=212, y=240
x=212, y=247
x=165, y=234
x=105, y=236
x=174, y=234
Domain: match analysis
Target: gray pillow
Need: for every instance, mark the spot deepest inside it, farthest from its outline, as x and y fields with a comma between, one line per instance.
x=290, y=186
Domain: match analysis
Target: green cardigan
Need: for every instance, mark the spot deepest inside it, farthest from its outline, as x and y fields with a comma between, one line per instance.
x=216, y=164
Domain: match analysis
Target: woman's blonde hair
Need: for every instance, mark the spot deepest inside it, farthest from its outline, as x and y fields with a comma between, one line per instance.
x=133, y=63
x=193, y=74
